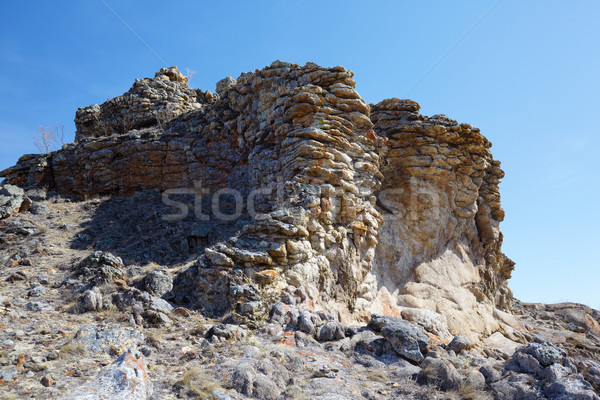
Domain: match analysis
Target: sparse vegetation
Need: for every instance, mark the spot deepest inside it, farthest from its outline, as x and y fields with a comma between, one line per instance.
x=199, y=385
x=72, y=349
x=48, y=139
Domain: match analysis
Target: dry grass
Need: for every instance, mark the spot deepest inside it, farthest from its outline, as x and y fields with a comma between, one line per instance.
x=295, y=393
x=72, y=349
x=378, y=376
x=469, y=392
x=198, y=384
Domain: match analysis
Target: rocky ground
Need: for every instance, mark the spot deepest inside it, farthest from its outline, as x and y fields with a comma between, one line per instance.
x=91, y=309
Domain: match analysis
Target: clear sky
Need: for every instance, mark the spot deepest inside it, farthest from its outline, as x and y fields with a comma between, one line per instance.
x=526, y=74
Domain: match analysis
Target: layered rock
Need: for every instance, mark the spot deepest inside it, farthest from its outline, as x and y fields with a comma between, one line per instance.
x=308, y=157
x=439, y=247
x=147, y=103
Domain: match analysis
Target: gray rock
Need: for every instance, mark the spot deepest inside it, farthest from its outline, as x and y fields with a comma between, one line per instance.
x=250, y=307
x=39, y=209
x=218, y=258
x=285, y=314
x=97, y=338
x=38, y=291
x=91, y=300
x=226, y=332
x=157, y=318
x=406, y=370
x=474, y=380
x=10, y=205
x=37, y=194
x=11, y=190
x=306, y=323
x=125, y=379
x=261, y=379
x=158, y=283
x=523, y=362
x=36, y=306
x=555, y=372
x=7, y=375
x=161, y=305
x=516, y=386
x=369, y=342
x=490, y=373
x=217, y=395
x=545, y=353
x=440, y=373
x=591, y=372
x=331, y=330
x=224, y=84
x=408, y=339
x=459, y=343
x=573, y=387
x=289, y=299
x=100, y=267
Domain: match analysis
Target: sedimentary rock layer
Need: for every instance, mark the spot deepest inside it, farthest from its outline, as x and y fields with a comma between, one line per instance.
x=369, y=208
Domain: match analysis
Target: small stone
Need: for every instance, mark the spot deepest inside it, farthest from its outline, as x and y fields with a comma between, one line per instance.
x=475, y=379
x=158, y=283
x=288, y=299
x=459, y=343
x=8, y=375
x=331, y=330
x=39, y=209
x=184, y=312
x=443, y=374
x=91, y=301
x=490, y=374
x=47, y=381
x=36, y=306
x=571, y=387
x=11, y=190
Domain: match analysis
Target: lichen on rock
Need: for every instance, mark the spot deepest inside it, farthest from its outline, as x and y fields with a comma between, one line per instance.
x=368, y=208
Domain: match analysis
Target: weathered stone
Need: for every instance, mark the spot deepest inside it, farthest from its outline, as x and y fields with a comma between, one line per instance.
x=331, y=330
x=517, y=387
x=545, y=353
x=226, y=332
x=572, y=387
x=591, y=373
x=100, y=267
x=38, y=209
x=98, y=338
x=459, y=343
x=441, y=373
x=474, y=380
x=490, y=374
x=158, y=283
x=408, y=339
x=124, y=379
x=91, y=301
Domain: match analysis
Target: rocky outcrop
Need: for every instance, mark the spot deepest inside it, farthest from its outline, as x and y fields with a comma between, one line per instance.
x=366, y=208
x=149, y=102
x=439, y=246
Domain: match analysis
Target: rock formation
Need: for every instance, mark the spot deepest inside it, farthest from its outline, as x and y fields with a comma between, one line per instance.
x=277, y=239
x=369, y=208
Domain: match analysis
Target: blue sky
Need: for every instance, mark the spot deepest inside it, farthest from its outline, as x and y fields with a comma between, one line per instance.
x=527, y=75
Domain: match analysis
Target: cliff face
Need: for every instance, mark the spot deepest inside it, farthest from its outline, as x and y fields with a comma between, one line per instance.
x=369, y=208
x=440, y=244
